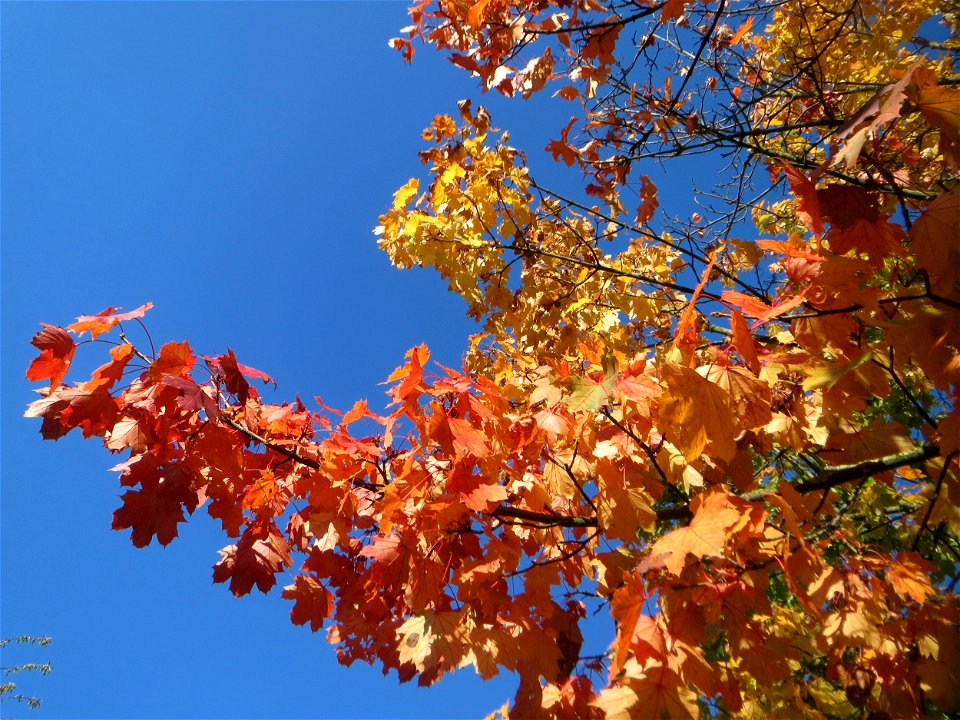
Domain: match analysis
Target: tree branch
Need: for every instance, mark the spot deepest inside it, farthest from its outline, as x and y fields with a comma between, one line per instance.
x=826, y=479
x=831, y=477
x=505, y=513
x=292, y=454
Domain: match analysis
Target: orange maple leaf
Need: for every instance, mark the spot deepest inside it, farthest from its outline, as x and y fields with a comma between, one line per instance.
x=694, y=412
x=754, y=307
x=934, y=239
x=104, y=320
x=175, y=359
x=743, y=341
x=467, y=440
x=655, y=691
x=705, y=536
x=672, y=9
x=312, y=602
x=808, y=206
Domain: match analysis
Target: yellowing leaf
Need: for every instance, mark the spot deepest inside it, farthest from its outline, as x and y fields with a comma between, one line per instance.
x=654, y=691
x=695, y=412
x=588, y=394
x=431, y=641
x=402, y=196
x=853, y=627
x=750, y=395
x=826, y=376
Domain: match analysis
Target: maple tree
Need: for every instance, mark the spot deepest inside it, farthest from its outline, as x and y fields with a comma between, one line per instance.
x=737, y=431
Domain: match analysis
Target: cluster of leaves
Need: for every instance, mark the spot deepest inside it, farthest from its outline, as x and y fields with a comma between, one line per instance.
x=8, y=688
x=747, y=449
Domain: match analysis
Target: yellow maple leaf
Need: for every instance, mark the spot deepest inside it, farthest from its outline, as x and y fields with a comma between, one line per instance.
x=431, y=641
x=694, y=412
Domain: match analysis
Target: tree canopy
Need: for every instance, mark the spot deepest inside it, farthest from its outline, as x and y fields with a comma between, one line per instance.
x=734, y=430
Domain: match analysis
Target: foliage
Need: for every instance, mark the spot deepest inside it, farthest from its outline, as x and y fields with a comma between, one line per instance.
x=737, y=432
x=8, y=688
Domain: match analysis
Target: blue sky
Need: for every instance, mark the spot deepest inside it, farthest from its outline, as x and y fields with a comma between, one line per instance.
x=226, y=161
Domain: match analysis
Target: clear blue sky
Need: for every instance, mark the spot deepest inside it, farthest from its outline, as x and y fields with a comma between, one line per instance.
x=226, y=161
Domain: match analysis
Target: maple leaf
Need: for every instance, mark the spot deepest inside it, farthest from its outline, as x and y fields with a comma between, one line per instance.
x=261, y=492
x=105, y=320
x=626, y=608
x=108, y=374
x=475, y=14
x=571, y=698
x=655, y=691
x=854, y=627
x=672, y=9
x=553, y=422
x=94, y=412
x=384, y=549
x=808, y=204
x=261, y=553
x=312, y=602
x=405, y=194
x=743, y=341
x=404, y=46
x=484, y=497
x=755, y=307
x=648, y=201
x=467, y=440
x=175, y=359
x=410, y=375
x=431, y=642
x=56, y=351
x=128, y=432
x=588, y=394
x=883, y=107
x=234, y=375
x=157, y=508
x=705, y=536
x=938, y=105
x=359, y=410
x=750, y=396
x=695, y=412
x=562, y=149
x=933, y=236
x=909, y=576
x=192, y=397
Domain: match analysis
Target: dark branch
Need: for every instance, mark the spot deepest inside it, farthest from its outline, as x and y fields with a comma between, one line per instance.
x=287, y=452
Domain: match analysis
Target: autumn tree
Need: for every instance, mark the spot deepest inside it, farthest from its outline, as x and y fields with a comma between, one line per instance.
x=732, y=426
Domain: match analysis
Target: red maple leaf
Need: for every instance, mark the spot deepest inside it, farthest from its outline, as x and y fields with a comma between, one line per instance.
x=157, y=508
x=108, y=374
x=261, y=553
x=233, y=374
x=56, y=351
x=67, y=408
